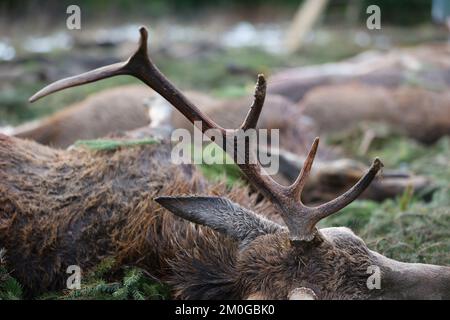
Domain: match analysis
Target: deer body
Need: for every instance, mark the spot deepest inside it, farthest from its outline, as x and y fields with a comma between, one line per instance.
x=107, y=210
x=121, y=108
x=405, y=109
x=420, y=64
x=61, y=207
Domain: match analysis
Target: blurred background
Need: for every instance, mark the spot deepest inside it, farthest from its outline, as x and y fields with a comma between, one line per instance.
x=217, y=46
x=366, y=92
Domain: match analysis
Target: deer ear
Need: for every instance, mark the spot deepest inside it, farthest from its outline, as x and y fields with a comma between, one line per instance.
x=221, y=215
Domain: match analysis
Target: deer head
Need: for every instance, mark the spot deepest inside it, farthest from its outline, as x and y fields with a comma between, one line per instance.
x=295, y=260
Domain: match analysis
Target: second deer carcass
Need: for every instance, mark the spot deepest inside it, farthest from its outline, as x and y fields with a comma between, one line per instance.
x=121, y=108
x=415, y=112
x=60, y=208
x=386, y=69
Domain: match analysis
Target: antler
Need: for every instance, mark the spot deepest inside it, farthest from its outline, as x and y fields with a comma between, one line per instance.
x=301, y=220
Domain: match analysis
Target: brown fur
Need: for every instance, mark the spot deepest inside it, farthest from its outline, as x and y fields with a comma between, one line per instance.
x=423, y=64
x=124, y=108
x=405, y=109
x=59, y=208
x=121, y=108
x=77, y=207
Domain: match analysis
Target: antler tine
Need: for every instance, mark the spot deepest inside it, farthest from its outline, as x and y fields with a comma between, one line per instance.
x=297, y=187
x=345, y=199
x=302, y=220
x=252, y=117
x=117, y=69
x=88, y=77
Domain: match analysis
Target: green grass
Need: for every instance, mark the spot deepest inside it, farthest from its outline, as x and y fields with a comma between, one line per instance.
x=406, y=228
x=415, y=232
x=222, y=170
x=10, y=288
x=106, y=283
x=108, y=144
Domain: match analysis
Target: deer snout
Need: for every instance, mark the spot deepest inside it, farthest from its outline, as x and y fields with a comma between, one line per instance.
x=413, y=280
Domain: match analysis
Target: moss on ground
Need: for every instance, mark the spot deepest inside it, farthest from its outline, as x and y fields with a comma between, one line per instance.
x=10, y=288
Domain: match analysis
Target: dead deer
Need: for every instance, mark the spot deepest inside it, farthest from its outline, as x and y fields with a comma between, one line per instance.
x=134, y=106
x=60, y=208
x=404, y=109
x=121, y=108
x=398, y=67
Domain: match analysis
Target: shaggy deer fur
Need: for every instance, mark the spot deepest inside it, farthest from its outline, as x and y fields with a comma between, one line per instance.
x=74, y=207
x=77, y=207
x=59, y=208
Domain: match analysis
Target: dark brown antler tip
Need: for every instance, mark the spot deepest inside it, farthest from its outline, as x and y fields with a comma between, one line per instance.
x=261, y=86
x=377, y=164
x=130, y=67
x=297, y=187
x=144, y=32
x=251, y=120
x=342, y=201
x=144, y=39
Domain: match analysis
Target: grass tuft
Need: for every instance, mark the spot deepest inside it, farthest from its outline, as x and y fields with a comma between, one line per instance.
x=109, y=144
